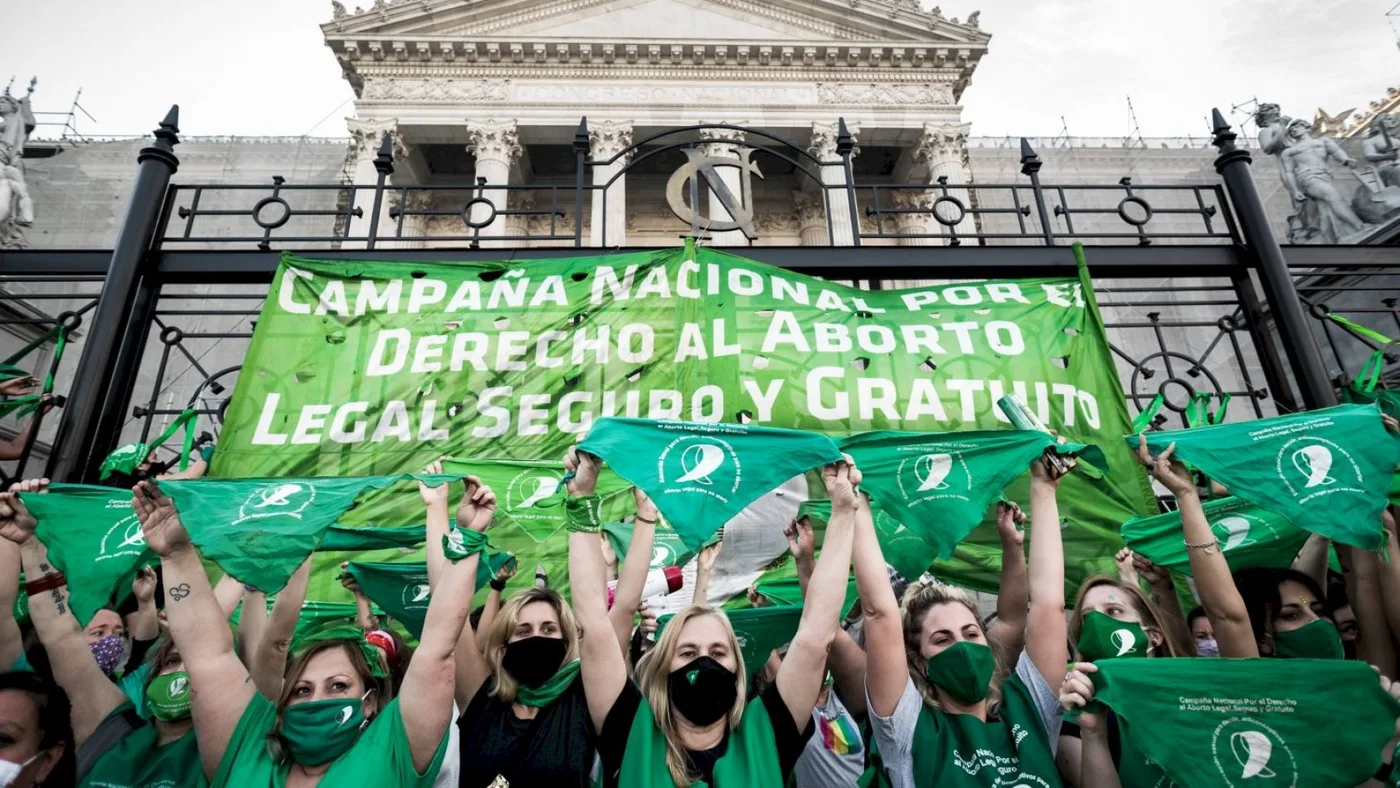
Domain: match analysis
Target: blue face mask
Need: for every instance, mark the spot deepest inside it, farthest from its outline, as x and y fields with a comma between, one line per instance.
x=1207, y=648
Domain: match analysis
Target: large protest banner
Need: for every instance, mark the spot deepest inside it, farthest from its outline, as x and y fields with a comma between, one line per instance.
x=360, y=368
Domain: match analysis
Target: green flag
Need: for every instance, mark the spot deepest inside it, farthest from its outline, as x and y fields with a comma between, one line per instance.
x=1326, y=470
x=939, y=485
x=94, y=538
x=701, y=475
x=903, y=548
x=1245, y=722
x=260, y=530
x=667, y=548
x=401, y=589
x=532, y=493
x=1248, y=535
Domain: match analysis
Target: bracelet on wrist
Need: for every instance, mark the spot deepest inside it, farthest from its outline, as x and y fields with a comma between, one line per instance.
x=45, y=583
x=644, y=520
x=1383, y=774
x=498, y=584
x=1207, y=547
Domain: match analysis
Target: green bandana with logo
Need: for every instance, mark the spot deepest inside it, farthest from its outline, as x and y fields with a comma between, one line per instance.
x=531, y=494
x=701, y=475
x=125, y=459
x=548, y=692
x=667, y=548
x=750, y=759
x=401, y=589
x=260, y=530
x=904, y=549
x=1327, y=470
x=1102, y=636
x=1248, y=536
x=1248, y=721
x=940, y=484
x=94, y=538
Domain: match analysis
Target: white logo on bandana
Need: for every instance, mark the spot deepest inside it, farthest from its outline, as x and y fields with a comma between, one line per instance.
x=124, y=538
x=933, y=474
x=178, y=686
x=276, y=500
x=931, y=470
x=1248, y=752
x=417, y=593
x=1313, y=467
x=700, y=464
x=344, y=716
x=1315, y=463
x=1123, y=640
x=698, y=461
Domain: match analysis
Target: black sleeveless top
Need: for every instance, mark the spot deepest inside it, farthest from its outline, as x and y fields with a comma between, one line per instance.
x=555, y=749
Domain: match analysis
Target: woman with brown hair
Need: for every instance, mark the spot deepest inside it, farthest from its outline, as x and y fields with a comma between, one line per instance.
x=688, y=719
x=37, y=746
x=332, y=720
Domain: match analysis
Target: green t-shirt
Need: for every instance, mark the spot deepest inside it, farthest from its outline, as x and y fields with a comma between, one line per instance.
x=379, y=757
x=138, y=762
x=133, y=685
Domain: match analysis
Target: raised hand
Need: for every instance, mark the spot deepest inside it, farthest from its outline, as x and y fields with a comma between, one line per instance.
x=348, y=580
x=507, y=571
x=1127, y=570
x=584, y=467
x=646, y=510
x=17, y=387
x=841, y=479
x=1009, y=519
x=143, y=586
x=16, y=523
x=801, y=539
x=649, y=620
x=1153, y=574
x=433, y=495
x=1172, y=474
x=710, y=553
x=477, y=508
x=160, y=523
x=1077, y=692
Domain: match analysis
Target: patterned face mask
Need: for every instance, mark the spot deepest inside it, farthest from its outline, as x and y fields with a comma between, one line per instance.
x=110, y=652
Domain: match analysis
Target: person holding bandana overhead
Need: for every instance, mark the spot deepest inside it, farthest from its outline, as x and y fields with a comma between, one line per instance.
x=944, y=712
x=688, y=721
x=333, y=722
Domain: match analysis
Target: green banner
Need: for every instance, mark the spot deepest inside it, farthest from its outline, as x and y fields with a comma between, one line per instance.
x=368, y=368
x=1248, y=536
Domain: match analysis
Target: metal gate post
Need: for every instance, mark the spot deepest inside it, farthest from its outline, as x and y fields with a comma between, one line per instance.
x=79, y=448
x=1309, y=372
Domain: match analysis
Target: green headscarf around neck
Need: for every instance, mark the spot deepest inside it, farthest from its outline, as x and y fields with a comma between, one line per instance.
x=548, y=692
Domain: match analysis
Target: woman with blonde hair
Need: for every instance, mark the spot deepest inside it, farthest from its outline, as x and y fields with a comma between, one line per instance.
x=943, y=711
x=689, y=721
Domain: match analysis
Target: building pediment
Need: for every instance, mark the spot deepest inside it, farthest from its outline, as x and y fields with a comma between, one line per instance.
x=616, y=20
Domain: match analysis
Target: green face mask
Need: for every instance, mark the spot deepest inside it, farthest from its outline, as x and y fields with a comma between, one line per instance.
x=963, y=670
x=168, y=696
x=1316, y=640
x=319, y=731
x=1104, y=637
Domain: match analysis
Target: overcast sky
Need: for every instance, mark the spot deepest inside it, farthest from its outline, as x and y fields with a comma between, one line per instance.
x=260, y=67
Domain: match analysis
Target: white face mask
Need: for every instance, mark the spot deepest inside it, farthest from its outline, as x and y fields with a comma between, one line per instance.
x=9, y=770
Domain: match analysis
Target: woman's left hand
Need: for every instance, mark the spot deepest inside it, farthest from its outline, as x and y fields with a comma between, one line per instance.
x=477, y=508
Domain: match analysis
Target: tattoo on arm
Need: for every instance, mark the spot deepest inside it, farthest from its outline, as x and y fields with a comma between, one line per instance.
x=180, y=592
x=58, y=601
x=43, y=567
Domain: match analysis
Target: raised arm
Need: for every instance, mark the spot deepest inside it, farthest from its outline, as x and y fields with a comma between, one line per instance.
x=470, y=670
x=144, y=624
x=425, y=699
x=1094, y=768
x=800, y=678
x=704, y=567
x=1312, y=559
x=887, y=671
x=92, y=694
x=1214, y=585
x=270, y=658
x=11, y=641
x=1046, y=630
x=493, y=604
x=221, y=685
x=13, y=448
x=802, y=543
x=435, y=506
x=252, y=623
x=227, y=594
x=364, y=615
x=627, y=596
x=1008, y=632
x=1168, y=603
x=1373, y=637
x=603, y=665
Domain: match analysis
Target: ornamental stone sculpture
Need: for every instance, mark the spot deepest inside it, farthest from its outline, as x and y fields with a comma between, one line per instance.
x=1378, y=199
x=1309, y=180
x=16, y=206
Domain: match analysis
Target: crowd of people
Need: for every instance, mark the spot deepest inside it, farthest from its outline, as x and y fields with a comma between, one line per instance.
x=912, y=688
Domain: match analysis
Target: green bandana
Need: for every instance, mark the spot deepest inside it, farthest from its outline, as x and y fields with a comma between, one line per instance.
x=319, y=731
x=125, y=459
x=1248, y=536
x=759, y=630
x=904, y=549
x=750, y=759
x=401, y=589
x=260, y=530
x=1104, y=637
x=1314, y=640
x=788, y=591
x=458, y=543
x=94, y=538
x=1243, y=722
x=701, y=475
x=531, y=494
x=1327, y=470
x=939, y=485
x=584, y=514
x=548, y=692
x=667, y=547
x=348, y=633
x=963, y=670
x=353, y=539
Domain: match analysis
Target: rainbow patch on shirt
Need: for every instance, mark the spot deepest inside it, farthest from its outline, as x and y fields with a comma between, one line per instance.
x=839, y=735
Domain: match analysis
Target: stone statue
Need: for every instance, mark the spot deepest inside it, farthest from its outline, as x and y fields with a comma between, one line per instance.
x=16, y=206
x=337, y=10
x=1273, y=139
x=974, y=19
x=1378, y=199
x=1309, y=180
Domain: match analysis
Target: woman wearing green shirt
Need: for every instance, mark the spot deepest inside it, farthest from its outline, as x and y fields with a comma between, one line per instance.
x=115, y=746
x=688, y=722
x=943, y=711
x=332, y=721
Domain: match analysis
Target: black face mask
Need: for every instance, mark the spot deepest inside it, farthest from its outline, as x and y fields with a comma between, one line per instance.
x=703, y=690
x=533, y=661
x=1349, y=649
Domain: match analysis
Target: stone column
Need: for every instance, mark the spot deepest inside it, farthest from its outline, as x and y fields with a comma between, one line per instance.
x=496, y=146
x=942, y=147
x=838, y=203
x=366, y=135
x=726, y=146
x=416, y=227
x=915, y=223
x=811, y=218
x=607, y=139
